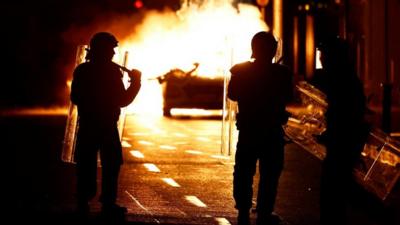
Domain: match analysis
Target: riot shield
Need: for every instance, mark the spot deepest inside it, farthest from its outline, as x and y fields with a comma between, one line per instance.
x=307, y=121
x=378, y=169
x=229, y=133
x=71, y=129
x=122, y=116
x=229, y=109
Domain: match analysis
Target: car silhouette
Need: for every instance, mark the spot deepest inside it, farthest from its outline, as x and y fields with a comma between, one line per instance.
x=185, y=90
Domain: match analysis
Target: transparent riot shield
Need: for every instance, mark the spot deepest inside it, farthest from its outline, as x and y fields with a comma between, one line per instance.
x=229, y=132
x=122, y=116
x=72, y=125
x=228, y=129
x=307, y=121
x=379, y=167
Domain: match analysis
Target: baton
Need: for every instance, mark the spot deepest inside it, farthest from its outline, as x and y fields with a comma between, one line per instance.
x=130, y=72
x=123, y=68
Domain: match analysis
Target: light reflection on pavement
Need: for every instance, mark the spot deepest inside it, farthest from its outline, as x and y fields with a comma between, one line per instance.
x=173, y=169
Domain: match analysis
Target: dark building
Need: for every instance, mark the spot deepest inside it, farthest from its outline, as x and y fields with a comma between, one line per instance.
x=370, y=27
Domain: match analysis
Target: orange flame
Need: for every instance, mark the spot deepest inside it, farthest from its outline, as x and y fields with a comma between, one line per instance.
x=214, y=34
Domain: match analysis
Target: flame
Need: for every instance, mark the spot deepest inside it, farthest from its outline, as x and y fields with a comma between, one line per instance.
x=214, y=34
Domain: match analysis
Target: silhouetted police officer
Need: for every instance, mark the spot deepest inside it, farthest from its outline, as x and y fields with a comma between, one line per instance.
x=98, y=91
x=262, y=90
x=346, y=129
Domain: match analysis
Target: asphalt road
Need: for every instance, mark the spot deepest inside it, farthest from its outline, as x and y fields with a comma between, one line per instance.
x=173, y=174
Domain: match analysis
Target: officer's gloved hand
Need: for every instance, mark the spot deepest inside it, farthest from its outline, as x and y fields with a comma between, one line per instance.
x=135, y=75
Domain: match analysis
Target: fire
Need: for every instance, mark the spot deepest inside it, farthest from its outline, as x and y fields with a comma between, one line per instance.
x=214, y=34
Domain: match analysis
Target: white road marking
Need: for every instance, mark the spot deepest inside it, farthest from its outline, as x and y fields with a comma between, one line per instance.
x=125, y=144
x=145, y=143
x=138, y=134
x=151, y=167
x=136, y=154
x=222, y=221
x=167, y=147
x=220, y=157
x=203, y=139
x=194, y=152
x=171, y=182
x=195, y=201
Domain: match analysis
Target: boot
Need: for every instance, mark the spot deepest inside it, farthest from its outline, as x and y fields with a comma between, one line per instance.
x=268, y=219
x=113, y=210
x=243, y=217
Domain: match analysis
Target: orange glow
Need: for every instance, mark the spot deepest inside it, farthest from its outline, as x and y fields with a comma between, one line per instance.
x=54, y=111
x=278, y=18
x=199, y=112
x=214, y=34
x=296, y=45
x=310, y=46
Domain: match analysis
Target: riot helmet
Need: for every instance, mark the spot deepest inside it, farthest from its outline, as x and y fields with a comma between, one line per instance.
x=103, y=40
x=334, y=52
x=102, y=46
x=263, y=45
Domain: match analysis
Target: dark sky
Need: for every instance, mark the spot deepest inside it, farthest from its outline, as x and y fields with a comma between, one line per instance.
x=35, y=51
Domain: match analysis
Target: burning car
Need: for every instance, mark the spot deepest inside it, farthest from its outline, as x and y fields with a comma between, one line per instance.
x=186, y=90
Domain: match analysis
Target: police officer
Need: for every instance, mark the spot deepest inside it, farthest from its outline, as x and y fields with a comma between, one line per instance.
x=346, y=129
x=99, y=93
x=262, y=90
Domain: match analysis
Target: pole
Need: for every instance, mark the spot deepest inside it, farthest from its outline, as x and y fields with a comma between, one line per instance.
x=387, y=86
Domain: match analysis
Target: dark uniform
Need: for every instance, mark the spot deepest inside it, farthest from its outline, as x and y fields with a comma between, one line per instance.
x=346, y=130
x=98, y=91
x=262, y=91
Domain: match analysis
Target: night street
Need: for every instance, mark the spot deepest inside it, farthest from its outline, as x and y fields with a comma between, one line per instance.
x=185, y=151
x=173, y=174
x=160, y=88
